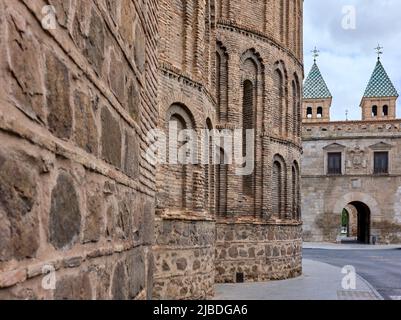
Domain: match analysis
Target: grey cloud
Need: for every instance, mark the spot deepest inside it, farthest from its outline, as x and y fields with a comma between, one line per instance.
x=347, y=56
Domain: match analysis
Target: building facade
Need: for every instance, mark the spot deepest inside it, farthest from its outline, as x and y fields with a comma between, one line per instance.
x=351, y=169
x=82, y=206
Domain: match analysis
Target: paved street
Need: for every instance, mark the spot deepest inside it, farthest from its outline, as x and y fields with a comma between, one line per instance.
x=380, y=267
x=319, y=281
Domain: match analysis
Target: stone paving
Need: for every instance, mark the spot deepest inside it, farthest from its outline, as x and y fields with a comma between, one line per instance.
x=320, y=281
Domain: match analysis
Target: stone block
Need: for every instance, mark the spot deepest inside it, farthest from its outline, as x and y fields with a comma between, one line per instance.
x=85, y=130
x=65, y=214
x=73, y=287
x=58, y=97
x=111, y=138
x=18, y=222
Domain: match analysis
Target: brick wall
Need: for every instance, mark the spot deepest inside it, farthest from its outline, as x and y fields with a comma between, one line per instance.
x=258, y=43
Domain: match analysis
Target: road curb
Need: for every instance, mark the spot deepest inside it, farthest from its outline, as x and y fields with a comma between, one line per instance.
x=367, y=283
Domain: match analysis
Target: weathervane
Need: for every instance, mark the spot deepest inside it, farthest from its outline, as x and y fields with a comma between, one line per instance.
x=315, y=54
x=379, y=51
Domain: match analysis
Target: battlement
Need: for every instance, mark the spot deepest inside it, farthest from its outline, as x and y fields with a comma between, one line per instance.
x=336, y=129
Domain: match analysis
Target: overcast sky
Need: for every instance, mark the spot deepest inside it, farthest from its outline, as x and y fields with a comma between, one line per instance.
x=347, y=55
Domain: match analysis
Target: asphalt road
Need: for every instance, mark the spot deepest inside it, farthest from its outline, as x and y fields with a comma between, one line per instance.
x=381, y=268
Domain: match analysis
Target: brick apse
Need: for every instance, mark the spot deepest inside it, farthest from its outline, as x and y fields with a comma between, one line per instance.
x=78, y=195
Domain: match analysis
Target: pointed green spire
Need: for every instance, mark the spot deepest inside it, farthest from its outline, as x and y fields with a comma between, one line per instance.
x=380, y=84
x=315, y=87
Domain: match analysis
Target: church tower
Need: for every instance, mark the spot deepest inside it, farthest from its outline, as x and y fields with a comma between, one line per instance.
x=316, y=97
x=379, y=100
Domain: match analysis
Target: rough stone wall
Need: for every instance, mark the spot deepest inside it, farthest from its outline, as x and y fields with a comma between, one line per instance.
x=260, y=51
x=324, y=197
x=257, y=251
x=75, y=194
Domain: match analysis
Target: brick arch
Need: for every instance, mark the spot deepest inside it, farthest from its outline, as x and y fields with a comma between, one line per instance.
x=280, y=65
x=182, y=111
x=295, y=190
x=177, y=179
x=251, y=67
x=296, y=106
x=280, y=79
x=222, y=49
x=278, y=187
x=222, y=80
x=255, y=57
x=221, y=183
x=177, y=98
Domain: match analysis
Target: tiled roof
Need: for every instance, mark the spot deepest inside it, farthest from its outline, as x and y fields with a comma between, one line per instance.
x=315, y=87
x=380, y=84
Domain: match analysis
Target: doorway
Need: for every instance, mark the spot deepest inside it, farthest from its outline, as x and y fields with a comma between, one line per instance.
x=355, y=223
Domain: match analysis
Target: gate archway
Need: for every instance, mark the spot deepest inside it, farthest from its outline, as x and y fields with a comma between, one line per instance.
x=364, y=207
x=359, y=220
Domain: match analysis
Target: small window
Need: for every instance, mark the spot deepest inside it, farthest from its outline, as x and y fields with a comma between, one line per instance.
x=334, y=163
x=374, y=111
x=381, y=163
x=309, y=112
x=320, y=112
x=385, y=110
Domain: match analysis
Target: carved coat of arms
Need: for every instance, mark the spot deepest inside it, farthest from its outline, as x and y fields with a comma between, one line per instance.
x=356, y=158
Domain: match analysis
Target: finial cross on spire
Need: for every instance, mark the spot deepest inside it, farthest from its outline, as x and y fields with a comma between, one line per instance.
x=315, y=54
x=379, y=51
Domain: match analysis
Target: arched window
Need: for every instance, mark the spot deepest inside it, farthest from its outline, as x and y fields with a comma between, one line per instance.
x=247, y=123
x=294, y=108
x=385, y=110
x=175, y=179
x=374, y=111
x=295, y=192
x=277, y=185
x=309, y=112
x=252, y=87
x=209, y=172
x=176, y=176
x=319, y=112
x=222, y=81
x=279, y=98
x=221, y=184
